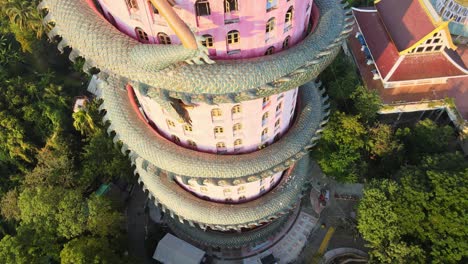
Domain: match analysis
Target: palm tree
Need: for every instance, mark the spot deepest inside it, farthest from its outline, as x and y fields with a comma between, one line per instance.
x=24, y=15
x=83, y=122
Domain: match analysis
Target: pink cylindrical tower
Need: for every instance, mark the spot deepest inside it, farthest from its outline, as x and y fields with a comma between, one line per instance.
x=217, y=132
x=233, y=28
x=231, y=128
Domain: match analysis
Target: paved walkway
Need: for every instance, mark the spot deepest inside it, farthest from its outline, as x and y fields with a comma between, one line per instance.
x=136, y=224
x=333, y=216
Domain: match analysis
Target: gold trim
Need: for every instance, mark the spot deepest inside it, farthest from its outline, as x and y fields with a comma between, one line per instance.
x=464, y=3
x=176, y=23
x=442, y=26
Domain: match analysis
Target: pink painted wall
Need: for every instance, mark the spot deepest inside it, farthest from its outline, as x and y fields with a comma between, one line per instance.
x=233, y=194
x=250, y=20
x=280, y=109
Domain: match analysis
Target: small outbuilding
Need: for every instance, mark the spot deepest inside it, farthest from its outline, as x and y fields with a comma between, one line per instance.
x=172, y=250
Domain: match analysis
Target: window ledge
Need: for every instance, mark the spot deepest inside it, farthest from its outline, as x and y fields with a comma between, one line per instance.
x=231, y=21
x=233, y=52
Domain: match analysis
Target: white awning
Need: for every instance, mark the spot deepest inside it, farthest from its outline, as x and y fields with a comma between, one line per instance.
x=172, y=250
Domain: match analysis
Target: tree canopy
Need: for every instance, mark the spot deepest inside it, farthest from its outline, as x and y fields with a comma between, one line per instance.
x=49, y=171
x=421, y=217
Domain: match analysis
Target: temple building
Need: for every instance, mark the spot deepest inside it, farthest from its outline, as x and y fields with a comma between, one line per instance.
x=406, y=53
x=217, y=104
x=408, y=44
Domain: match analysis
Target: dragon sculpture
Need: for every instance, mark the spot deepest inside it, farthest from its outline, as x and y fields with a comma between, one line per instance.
x=183, y=75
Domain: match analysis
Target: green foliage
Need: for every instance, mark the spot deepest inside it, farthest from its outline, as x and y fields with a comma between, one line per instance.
x=71, y=216
x=340, y=80
x=422, y=216
x=9, y=206
x=357, y=3
x=425, y=138
x=103, y=160
x=38, y=207
x=46, y=170
x=382, y=142
x=8, y=53
x=54, y=167
x=86, y=250
x=367, y=104
x=103, y=220
x=339, y=151
x=25, y=21
x=83, y=122
x=29, y=246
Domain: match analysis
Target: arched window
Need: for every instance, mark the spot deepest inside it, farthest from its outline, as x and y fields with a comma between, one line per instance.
x=218, y=131
x=163, y=38
x=237, y=143
x=289, y=15
x=230, y=6
x=220, y=147
x=279, y=106
x=132, y=4
x=277, y=123
x=175, y=138
x=233, y=37
x=265, y=132
x=270, y=26
x=270, y=50
x=141, y=35
x=237, y=127
x=265, y=116
x=236, y=109
x=208, y=42
x=202, y=8
x=266, y=102
x=192, y=143
x=286, y=42
x=216, y=113
x=188, y=129
x=170, y=123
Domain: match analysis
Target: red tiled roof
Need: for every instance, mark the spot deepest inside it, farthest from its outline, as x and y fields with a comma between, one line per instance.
x=405, y=20
x=425, y=66
x=456, y=88
x=379, y=43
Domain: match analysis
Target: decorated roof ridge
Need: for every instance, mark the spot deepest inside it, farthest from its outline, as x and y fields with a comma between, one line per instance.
x=234, y=240
x=113, y=52
x=140, y=138
x=187, y=207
